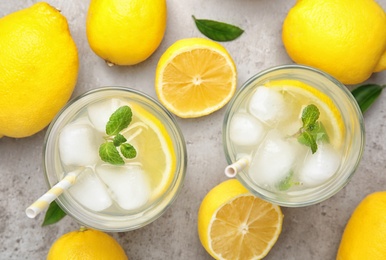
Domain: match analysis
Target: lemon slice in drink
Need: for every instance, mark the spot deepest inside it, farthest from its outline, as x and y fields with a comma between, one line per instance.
x=195, y=77
x=155, y=150
x=234, y=224
x=330, y=115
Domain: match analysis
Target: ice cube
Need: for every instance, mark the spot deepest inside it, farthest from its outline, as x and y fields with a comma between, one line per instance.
x=267, y=105
x=82, y=120
x=320, y=166
x=90, y=191
x=273, y=160
x=78, y=145
x=291, y=128
x=244, y=129
x=99, y=113
x=127, y=184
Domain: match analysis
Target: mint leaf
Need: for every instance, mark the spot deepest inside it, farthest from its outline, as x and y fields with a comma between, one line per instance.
x=53, y=215
x=128, y=151
x=119, y=139
x=312, y=130
x=217, y=31
x=287, y=182
x=108, y=153
x=119, y=120
x=308, y=139
x=310, y=115
x=319, y=133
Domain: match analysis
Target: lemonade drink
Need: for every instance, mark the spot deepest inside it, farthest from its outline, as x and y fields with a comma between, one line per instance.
x=299, y=130
x=120, y=193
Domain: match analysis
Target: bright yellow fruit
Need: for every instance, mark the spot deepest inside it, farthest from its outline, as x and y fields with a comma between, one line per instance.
x=344, y=38
x=365, y=234
x=233, y=224
x=125, y=32
x=195, y=77
x=86, y=244
x=157, y=154
x=39, y=69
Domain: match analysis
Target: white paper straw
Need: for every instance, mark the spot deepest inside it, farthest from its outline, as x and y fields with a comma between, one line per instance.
x=232, y=170
x=44, y=201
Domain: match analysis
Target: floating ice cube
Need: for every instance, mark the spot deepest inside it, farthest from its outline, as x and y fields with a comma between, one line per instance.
x=320, y=166
x=82, y=120
x=267, y=105
x=90, y=191
x=127, y=184
x=291, y=128
x=78, y=145
x=99, y=113
x=273, y=160
x=244, y=129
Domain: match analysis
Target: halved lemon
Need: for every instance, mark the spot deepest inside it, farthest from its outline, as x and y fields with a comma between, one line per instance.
x=195, y=77
x=234, y=224
x=330, y=114
x=155, y=150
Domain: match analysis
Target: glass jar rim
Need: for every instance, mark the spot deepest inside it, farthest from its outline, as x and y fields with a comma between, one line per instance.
x=157, y=208
x=294, y=72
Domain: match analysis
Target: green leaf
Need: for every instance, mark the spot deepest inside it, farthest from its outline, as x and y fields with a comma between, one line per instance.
x=217, y=31
x=320, y=133
x=109, y=153
x=310, y=115
x=119, y=120
x=308, y=139
x=287, y=182
x=119, y=139
x=128, y=151
x=365, y=95
x=54, y=214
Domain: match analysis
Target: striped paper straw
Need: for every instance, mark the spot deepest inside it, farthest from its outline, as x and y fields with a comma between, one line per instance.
x=42, y=203
x=232, y=170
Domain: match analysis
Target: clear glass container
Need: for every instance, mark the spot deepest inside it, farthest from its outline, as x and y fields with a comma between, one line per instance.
x=352, y=143
x=54, y=170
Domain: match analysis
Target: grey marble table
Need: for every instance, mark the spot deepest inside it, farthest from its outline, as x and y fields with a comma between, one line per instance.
x=312, y=232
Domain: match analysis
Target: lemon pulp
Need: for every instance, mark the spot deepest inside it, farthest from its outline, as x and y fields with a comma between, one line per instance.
x=155, y=151
x=234, y=224
x=195, y=77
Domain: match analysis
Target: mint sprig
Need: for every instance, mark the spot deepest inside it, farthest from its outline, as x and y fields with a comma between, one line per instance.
x=312, y=130
x=287, y=182
x=119, y=120
x=108, y=151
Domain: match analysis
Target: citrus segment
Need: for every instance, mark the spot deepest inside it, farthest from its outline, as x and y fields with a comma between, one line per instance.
x=156, y=153
x=330, y=114
x=195, y=77
x=234, y=224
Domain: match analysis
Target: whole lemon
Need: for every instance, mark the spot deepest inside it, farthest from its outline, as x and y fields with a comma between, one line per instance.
x=345, y=38
x=86, y=244
x=365, y=234
x=39, y=69
x=125, y=32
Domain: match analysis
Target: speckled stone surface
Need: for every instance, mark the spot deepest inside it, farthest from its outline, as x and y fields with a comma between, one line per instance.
x=311, y=232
